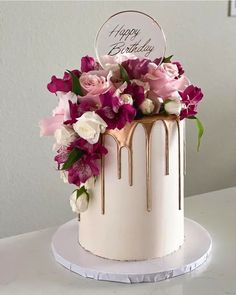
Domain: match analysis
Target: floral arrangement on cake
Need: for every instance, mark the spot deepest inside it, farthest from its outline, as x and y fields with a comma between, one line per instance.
x=93, y=99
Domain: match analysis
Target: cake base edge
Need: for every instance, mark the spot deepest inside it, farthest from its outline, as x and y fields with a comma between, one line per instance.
x=191, y=255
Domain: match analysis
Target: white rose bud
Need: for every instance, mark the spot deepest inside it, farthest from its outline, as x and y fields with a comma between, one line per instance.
x=126, y=99
x=79, y=204
x=173, y=106
x=64, y=135
x=158, y=101
x=147, y=107
x=89, y=126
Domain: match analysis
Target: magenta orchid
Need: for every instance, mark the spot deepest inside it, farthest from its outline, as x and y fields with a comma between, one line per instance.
x=64, y=84
x=136, y=68
x=137, y=93
x=73, y=109
x=114, y=113
x=88, y=64
x=86, y=166
x=191, y=96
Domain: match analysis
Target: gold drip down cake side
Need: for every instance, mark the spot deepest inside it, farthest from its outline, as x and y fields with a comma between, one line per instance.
x=136, y=209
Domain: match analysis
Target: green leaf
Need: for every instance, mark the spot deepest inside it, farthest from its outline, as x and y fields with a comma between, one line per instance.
x=76, y=87
x=80, y=191
x=167, y=59
x=124, y=75
x=200, y=129
x=74, y=156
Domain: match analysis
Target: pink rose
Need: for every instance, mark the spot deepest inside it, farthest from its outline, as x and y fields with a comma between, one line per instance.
x=164, y=79
x=94, y=83
x=170, y=70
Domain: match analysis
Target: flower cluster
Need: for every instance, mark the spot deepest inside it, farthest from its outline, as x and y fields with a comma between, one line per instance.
x=93, y=99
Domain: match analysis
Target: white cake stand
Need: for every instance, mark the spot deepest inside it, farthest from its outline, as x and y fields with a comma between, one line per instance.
x=193, y=253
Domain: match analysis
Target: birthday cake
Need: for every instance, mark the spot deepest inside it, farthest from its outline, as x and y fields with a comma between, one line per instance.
x=120, y=139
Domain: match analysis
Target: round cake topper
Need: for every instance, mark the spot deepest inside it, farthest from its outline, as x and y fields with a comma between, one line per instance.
x=130, y=33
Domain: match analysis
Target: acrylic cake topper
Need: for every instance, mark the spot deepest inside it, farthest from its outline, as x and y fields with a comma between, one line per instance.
x=130, y=33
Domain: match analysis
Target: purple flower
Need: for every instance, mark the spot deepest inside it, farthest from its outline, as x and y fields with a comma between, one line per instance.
x=179, y=66
x=190, y=98
x=86, y=106
x=82, y=170
x=88, y=64
x=62, y=155
x=77, y=111
x=157, y=61
x=64, y=84
x=136, y=68
x=113, y=112
x=87, y=165
x=88, y=148
x=137, y=93
x=73, y=113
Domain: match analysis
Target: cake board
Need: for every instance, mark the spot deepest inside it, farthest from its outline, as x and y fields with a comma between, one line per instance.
x=194, y=252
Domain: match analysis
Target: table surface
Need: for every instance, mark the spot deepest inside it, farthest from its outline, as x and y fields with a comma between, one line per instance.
x=27, y=265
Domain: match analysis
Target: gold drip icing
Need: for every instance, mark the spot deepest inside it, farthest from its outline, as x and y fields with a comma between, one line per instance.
x=130, y=163
x=166, y=147
x=179, y=162
x=148, y=130
x=123, y=139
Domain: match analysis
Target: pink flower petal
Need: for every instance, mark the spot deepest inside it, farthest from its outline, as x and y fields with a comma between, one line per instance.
x=50, y=124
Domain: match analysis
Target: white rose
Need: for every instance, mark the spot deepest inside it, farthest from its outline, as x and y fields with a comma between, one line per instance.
x=126, y=99
x=173, y=106
x=147, y=107
x=79, y=204
x=64, y=136
x=89, y=126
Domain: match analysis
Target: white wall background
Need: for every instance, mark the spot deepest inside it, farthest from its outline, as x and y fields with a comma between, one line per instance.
x=38, y=39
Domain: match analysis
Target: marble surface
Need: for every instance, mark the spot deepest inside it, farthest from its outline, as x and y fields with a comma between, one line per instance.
x=27, y=265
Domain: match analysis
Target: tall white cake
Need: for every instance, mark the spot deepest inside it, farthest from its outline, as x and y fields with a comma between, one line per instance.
x=119, y=131
x=136, y=210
